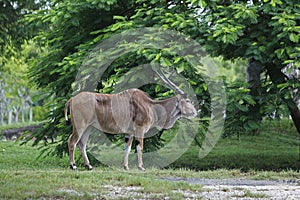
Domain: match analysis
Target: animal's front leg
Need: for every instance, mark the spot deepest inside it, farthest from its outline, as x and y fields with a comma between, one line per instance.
x=128, y=143
x=82, y=146
x=139, y=149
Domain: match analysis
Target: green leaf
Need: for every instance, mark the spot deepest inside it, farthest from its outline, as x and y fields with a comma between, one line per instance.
x=157, y=88
x=157, y=57
x=177, y=60
x=249, y=100
x=242, y=107
x=204, y=87
x=180, y=69
x=294, y=37
x=165, y=62
x=253, y=124
x=75, y=22
x=121, y=18
x=115, y=27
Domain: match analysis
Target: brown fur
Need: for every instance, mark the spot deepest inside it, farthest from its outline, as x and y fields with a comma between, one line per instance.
x=131, y=112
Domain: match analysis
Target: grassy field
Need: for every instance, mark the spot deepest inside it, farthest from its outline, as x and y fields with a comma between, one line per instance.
x=24, y=176
x=276, y=147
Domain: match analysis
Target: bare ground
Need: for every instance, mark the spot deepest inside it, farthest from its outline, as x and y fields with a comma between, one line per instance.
x=217, y=189
x=235, y=188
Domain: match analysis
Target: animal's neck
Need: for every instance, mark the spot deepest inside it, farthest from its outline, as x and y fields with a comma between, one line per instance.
x=167, y=113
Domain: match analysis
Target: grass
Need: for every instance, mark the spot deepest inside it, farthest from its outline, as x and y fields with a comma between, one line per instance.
x=22, y=176
x=25, y=176
x=249, y=194
x=275, y=147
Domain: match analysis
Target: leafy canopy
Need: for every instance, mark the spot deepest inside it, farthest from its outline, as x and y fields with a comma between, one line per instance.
x=267, y=30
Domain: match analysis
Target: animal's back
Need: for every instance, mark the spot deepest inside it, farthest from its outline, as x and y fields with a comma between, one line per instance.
x=112, y=113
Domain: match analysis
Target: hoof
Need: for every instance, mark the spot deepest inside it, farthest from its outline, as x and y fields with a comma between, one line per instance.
x=126, y=168
x=142, y=168
x=73, y=167
x=88, y=167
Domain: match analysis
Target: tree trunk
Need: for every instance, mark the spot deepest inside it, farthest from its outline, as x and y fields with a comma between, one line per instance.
x=1, y=118
x=278, y=77
x=30, y=114
x=2, y=100
x=23, y=115
x=254, y=69
x=295, y=114
x=1, y=114
x=17, y=113
x=9, y=117
x=16, y=117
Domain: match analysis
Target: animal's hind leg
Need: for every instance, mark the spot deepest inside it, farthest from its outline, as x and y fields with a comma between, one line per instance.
x=82, y=146
x=139, y=137
x=128, y=143
x=72, y=144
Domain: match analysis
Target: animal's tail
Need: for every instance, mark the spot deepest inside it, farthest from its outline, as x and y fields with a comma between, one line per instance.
x=66, y=111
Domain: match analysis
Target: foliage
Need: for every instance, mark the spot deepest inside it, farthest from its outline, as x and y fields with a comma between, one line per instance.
x=264, y=30
x=56, y=70
x=241, y=28
x=13, y=30
x=18, y=94
x=237, y=118
x=237, y=30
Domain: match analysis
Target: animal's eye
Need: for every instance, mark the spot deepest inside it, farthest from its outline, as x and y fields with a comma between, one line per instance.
x=189, y=101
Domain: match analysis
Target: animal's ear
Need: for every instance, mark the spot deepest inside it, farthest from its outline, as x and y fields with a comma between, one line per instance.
x=182, y=103
x=181, y=96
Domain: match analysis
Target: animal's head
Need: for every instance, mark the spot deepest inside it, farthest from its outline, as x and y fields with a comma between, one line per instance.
x=187, y=109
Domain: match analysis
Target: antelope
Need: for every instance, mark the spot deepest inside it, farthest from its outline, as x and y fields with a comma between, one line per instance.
x=131, y=112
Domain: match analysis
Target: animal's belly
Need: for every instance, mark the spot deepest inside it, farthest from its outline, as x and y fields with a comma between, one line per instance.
x=115, y=128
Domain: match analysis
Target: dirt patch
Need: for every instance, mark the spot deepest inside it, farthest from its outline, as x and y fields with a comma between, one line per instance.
x=233, y=181
x=220, y=189
x=244, y=188
x=251, y=192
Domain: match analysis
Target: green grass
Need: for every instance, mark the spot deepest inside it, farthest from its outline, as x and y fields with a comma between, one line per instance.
x=275, y=147
x=249, y=194
x=25, y=176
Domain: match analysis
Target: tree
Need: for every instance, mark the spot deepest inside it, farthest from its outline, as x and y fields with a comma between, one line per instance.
x=13, y=30
x=14, y=35
x=69, y=36
x=264, y=31
x=267, y=32
x=19, y=95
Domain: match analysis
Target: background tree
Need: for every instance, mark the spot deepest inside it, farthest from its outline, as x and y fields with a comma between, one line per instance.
x=19, y=96
x=15, y=54
x=13, y=30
